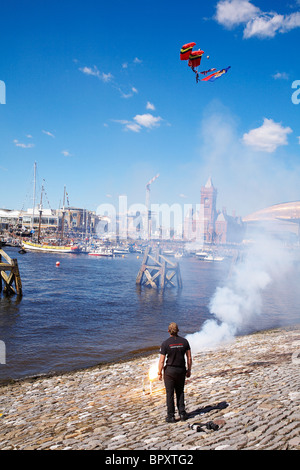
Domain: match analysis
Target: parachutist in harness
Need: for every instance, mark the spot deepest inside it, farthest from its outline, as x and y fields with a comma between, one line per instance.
x=197, y=74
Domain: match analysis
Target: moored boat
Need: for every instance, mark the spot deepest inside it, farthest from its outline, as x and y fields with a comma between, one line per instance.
x=203, y=256
x=101, y=252
x=50, y=248
x=120, y=250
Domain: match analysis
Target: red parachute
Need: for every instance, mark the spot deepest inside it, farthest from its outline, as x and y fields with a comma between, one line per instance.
x=186, y=50
x=194, y=60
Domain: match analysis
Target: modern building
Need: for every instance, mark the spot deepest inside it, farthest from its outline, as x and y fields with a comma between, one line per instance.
x=280, y=219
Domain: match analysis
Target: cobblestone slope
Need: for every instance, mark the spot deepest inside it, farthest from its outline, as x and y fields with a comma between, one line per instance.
x=249, y=387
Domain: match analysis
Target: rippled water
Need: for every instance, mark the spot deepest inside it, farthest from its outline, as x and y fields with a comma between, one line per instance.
x=89, y=310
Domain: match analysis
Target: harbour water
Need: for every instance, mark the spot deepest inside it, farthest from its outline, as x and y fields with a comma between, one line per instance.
x=89, y=310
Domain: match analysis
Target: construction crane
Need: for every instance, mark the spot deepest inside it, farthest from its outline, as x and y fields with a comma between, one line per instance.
x=148, y=203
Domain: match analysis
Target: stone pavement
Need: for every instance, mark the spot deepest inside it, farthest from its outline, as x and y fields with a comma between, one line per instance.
x=250, y=387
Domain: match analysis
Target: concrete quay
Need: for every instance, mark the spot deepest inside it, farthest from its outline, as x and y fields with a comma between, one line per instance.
x=250, y=387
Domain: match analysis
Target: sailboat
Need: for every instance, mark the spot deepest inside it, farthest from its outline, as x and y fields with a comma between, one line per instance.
x=50, y=248
x=44, y=247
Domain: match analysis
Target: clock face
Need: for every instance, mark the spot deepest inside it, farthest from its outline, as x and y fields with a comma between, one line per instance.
x=206, y=202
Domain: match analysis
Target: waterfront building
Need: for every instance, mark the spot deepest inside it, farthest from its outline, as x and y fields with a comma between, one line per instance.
x=282, y=219
x=211, y=225
x=75, y=219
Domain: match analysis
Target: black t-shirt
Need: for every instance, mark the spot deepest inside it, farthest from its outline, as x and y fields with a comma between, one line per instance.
x=175, y=348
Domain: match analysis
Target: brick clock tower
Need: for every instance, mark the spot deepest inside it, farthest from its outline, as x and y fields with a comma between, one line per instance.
x=208, y=202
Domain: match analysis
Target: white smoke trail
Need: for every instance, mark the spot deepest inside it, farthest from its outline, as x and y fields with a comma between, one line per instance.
x=239, y=302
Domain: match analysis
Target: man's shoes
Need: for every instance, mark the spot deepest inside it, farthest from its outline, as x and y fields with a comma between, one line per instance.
x=170, y=419
x=183, y=416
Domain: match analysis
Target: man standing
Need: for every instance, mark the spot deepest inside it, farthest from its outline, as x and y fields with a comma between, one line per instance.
x=175, y=349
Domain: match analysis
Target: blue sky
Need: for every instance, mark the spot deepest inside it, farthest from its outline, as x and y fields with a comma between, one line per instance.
x=97, y=96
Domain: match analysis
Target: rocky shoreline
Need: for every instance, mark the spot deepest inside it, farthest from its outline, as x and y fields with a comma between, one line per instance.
x=250, y=388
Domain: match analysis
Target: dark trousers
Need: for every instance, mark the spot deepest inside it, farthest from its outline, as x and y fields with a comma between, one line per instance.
x=174, y=378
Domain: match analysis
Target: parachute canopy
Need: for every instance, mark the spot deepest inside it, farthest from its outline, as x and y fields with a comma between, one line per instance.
x=195, y=58
x=186, y=50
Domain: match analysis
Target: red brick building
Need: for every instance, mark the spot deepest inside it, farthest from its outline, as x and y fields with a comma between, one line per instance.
x=218, y=226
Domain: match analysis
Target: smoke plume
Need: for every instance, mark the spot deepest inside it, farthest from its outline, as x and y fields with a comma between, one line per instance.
x=236, y=306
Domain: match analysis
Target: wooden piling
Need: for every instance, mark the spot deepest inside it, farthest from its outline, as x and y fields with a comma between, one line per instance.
x=236, y=258
x=10, y=274
x=158, y=272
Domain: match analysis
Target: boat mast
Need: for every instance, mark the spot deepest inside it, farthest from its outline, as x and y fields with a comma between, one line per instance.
x=63, y=215
x=40, y=217
x=34, y=189
x=86, y=226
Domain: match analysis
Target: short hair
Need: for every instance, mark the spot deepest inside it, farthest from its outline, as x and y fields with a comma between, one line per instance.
x=173, y=329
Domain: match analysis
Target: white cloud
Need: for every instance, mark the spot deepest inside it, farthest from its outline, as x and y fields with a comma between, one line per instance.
x=88, y=71
x=150, y=106
x=23, y=146
x=109, y=78
x=105, y=77
x=267, y=137
x=128, y=125
x=147, y=120
x=267, y=25
x=291, y=21
x=263, y=26
x=281, y=76
x=133, y=126
x=230, y=13
x=126, y=65
x=139, y=121
x=66, y=153
x=48, y=133
x=127, y=95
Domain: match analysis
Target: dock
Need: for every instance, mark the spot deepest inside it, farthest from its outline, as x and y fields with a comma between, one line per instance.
x=9, y=275
x=157, y=271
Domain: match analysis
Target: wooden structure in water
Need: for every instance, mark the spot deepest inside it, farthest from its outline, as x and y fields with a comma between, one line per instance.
x=237, y=257
x=158, y=272
x=10, y=275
